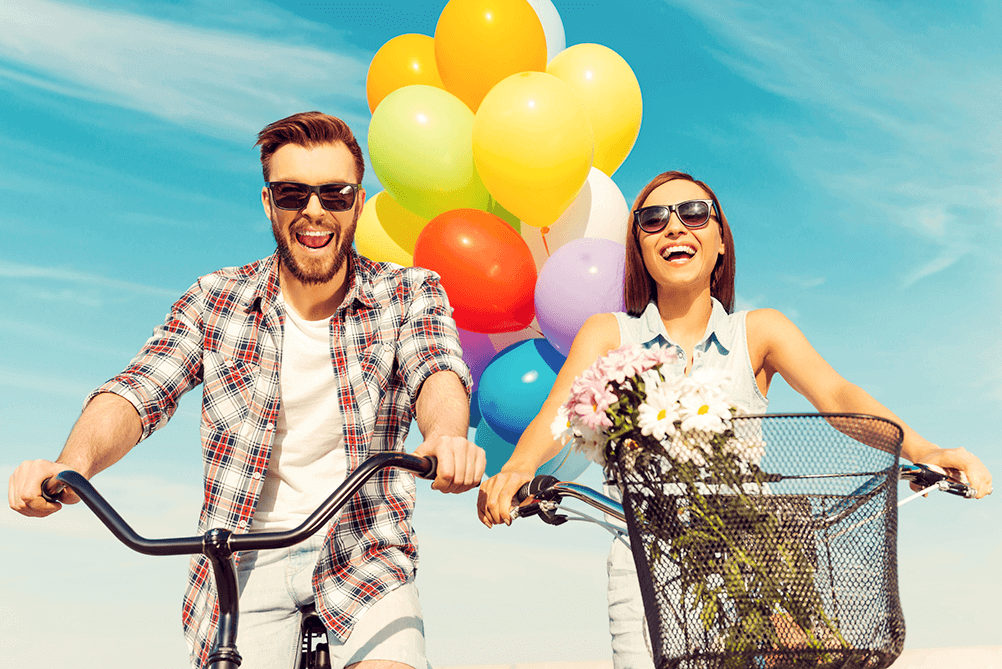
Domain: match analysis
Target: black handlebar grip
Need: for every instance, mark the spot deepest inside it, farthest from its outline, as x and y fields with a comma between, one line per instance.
x=433, y=469
x=522, y=494
x=52, y=497
x=534, y=487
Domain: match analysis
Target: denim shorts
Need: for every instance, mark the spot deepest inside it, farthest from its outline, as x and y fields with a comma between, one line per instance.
x=276, y=585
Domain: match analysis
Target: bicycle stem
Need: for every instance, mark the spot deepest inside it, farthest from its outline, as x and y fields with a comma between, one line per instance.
x=218, y=544
x=216, y=547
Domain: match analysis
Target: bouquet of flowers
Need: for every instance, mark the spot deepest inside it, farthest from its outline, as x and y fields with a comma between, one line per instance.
x=739, y=561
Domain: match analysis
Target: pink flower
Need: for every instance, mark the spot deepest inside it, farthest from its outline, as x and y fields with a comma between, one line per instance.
x=625, y=363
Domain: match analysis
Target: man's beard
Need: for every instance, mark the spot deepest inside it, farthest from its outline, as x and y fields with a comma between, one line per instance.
x=317, y=270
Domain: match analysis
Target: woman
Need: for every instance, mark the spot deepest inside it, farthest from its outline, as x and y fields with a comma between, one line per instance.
x=679, y=292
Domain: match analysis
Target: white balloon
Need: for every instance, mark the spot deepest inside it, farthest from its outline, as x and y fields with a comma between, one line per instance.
x=553, y=27
x=599, y=210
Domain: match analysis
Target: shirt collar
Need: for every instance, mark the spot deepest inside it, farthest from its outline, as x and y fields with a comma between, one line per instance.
x=653, y=328
x=265, y=286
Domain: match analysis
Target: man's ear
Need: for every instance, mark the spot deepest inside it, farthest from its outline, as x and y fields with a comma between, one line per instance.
x=360, y=202
x=266, y=201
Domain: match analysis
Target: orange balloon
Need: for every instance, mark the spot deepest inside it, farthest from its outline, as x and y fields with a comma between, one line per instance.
x=486, y=269
x=480, y=42
x=403, y=61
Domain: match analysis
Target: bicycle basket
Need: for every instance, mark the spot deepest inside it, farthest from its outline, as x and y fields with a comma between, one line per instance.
x=785, y=564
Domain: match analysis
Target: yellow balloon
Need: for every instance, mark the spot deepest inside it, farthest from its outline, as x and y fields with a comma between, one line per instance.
x=532, y=144
x=372, y=241
x=480, y=42
x=611, y=94
x=403, y=61
x=402, y=225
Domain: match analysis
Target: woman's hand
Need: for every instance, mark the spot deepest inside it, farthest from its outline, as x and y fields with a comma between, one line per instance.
x=495, y=500
x=957, y=460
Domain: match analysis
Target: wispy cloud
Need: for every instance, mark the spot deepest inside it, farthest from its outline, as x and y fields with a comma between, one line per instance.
x=901, y=108
x=14, y=270
x=225, y=83
x=805, y=282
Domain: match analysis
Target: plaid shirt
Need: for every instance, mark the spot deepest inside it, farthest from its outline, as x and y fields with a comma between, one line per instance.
x=392, y=331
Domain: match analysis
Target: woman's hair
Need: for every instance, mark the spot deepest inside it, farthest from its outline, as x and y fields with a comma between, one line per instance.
x=639, y=287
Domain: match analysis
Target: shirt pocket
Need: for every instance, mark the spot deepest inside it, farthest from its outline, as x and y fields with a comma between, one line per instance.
x=228, y=389
x=376, y=362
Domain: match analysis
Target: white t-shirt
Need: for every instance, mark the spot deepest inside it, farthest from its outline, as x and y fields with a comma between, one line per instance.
x=308, y=460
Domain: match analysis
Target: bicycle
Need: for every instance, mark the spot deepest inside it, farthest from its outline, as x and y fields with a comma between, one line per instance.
x=831, y=542
x=219, y=545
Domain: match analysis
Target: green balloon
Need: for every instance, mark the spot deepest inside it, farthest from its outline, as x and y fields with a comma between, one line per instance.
x=505, y=215
x=421, y=147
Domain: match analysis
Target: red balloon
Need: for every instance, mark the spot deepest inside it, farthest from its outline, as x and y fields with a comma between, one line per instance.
x=486, y=269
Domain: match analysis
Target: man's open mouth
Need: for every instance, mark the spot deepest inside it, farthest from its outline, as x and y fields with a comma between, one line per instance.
x=314, y=239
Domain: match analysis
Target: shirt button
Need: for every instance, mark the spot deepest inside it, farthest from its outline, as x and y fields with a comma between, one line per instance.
x=681, y=355
x=269, y=426
x=242, y=524
x=256, y=476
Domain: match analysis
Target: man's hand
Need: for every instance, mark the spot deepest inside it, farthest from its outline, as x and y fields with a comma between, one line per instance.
x=24, y=489
x=461, y=463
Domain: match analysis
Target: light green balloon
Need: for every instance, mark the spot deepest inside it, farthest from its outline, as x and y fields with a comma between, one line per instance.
x=421, y=147
x=505, y=215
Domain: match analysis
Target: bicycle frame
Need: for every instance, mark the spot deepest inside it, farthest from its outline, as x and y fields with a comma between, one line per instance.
x=219, y=545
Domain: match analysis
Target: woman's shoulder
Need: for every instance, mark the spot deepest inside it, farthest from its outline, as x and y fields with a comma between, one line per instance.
x=768, y=324
x=600, y=331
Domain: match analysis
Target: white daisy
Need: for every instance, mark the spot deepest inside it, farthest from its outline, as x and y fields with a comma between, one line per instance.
x=561, y=428
x=683, y=450
x=704, y=409
x=659, y=411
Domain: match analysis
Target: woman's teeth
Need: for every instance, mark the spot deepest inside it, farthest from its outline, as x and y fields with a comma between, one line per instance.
x=678, y=252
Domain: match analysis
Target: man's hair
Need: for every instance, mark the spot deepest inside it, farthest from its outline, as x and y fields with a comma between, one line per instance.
x=639, y=287
x=308, y=129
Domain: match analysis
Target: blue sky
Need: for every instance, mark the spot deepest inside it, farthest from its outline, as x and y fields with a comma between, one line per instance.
x=854, y=148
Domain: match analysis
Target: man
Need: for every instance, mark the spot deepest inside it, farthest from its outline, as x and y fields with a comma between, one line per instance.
x=310, y=360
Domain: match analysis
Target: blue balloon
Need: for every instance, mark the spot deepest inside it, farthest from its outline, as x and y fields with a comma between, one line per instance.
x=475, y=409
x=566, y=465
x=515, y=384
x=497, y=449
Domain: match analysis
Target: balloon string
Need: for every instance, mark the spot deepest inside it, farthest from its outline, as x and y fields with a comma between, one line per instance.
x=537, y=331
x=542, y=233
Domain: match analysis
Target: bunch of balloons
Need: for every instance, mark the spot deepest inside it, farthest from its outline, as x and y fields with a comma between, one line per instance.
x=496, y=146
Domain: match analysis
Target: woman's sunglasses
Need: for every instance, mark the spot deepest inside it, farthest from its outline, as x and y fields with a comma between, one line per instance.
x=293, y=196
x=694, y=214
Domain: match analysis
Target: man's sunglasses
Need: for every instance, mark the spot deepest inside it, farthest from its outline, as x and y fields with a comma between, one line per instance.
x=694, y=214
x=293, y=196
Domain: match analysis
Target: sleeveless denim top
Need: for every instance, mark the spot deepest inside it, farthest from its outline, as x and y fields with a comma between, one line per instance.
x=724, y=347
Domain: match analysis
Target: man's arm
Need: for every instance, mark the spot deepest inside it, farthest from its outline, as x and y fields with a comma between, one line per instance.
x=107, y=429
x=443, y=416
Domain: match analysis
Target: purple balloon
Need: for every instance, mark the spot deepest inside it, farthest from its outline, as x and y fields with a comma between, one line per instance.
x=581, y=278
x=477, y=352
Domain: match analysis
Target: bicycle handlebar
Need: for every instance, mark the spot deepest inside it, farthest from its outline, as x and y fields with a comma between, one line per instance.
x=425, y=467
x=548, y=489
x=218, y=545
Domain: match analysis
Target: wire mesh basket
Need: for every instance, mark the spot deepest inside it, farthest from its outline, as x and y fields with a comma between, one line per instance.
x=787, y=563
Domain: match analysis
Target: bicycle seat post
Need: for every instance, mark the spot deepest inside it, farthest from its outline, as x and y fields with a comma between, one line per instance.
x=217, y=548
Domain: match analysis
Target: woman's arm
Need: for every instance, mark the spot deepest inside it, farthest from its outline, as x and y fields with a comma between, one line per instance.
x=783, y=348
x=598, y=336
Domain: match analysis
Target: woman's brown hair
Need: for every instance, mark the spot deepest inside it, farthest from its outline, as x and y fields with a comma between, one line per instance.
x=639, y=287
